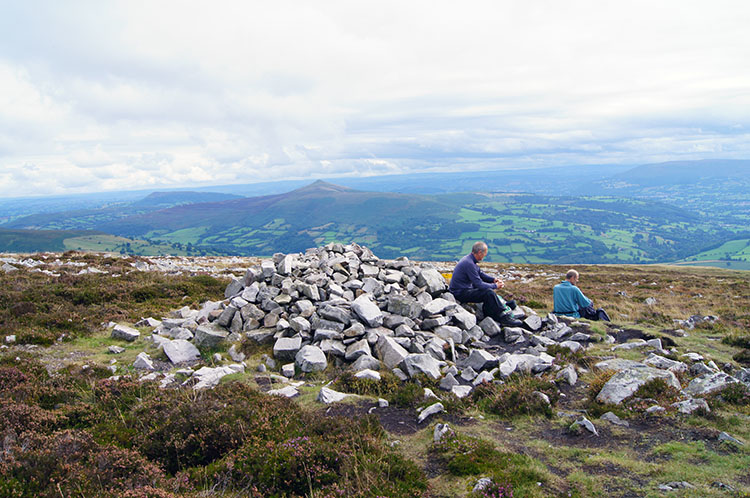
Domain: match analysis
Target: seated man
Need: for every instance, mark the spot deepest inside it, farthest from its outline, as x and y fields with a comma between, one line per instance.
x=570, y=301
x=469, y=284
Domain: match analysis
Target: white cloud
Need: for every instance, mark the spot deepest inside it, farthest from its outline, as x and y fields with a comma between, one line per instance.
x=136, y=94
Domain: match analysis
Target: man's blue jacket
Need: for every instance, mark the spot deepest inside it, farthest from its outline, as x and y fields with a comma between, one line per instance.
x=569, y=299
x=467, y=276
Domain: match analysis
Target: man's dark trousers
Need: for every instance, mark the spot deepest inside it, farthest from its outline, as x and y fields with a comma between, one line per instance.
x=491, y=304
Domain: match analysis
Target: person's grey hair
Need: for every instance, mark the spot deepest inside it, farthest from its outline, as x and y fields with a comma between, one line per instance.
x=571, y=274
x=478, y=247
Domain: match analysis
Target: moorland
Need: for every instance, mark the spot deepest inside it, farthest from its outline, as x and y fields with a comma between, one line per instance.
x=70, y=428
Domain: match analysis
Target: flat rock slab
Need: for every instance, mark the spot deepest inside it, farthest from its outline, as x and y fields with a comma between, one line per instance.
x=209, y=336
x=328, y=396
x=625, y=382
x=180, y=350
x=708, y=383
x=125, y=333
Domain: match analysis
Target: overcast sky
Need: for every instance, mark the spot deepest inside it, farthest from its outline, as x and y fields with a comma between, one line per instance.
x=102, y=95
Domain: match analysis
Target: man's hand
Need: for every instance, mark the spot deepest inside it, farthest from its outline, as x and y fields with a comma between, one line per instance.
x=500, y=284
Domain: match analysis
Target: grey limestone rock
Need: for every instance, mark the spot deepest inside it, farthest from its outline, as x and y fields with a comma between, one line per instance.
x=657, y=361
x=285, y=348
x=209, y=335
x=357, y=349
x=180, y=350
x=480, y=359
x=437, y=306
x=429, y=411
x=533, y=322
x=568, y=375
x=311, y=359
x=143, y=362
x=404, y=306
x=447, y=382
x=425, y=364
x=490, y=327
x=586, y=424
x=366, y=362
x=328, y=396
x=235, y=287
x=390, y=352
x=625, y=382
x=448, y=332
x=367, y=311
x=614, y=419
x=688, y=406
x=512, y=334
x=708, y=383
x=441, y=431
x=432, y=280
x=126, y=333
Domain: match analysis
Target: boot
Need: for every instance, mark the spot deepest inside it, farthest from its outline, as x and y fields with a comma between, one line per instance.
x=507, y=320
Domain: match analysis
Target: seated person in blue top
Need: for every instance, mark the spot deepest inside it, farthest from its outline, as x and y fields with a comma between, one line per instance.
x=469, y=284
x=570, y=301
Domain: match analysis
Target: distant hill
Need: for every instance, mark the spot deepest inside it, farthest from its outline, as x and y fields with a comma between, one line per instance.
x=91, y=218
x=318, y=203
x=681, y=173
x=640, y=216
x=718, y=188
x=168, y=199
x=521, y=227
x=37, y=240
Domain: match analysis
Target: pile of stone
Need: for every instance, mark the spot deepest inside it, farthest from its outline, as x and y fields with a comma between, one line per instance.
x=342, y=304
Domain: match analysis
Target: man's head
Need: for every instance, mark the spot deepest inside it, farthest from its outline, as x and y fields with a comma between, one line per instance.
x=479, y=250
x=572, y=276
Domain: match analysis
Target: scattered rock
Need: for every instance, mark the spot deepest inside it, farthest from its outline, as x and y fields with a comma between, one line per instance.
x=586, y=424
x=180, y=351
x=143, y=362
x=625, y=382
x=614, y=419
x=125, y=333
x=328, y=396
x=429, y=411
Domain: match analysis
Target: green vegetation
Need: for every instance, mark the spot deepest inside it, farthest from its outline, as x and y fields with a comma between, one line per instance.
x=39, y=308
x=69, y=430
x=522, y=228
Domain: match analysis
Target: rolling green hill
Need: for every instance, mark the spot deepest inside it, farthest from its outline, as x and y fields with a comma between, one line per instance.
x=519, y=227
x=37, y=240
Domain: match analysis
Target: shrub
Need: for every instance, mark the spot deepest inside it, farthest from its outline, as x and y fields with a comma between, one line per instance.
x=70, y=463
x=407, y=394
x=463, y=455
x=518, y=396
x=384, y=388
x=325, y=456
x=597, y=383
x=737, y=394
x=658, y=389
x=742, y=357
x=567, y=355
x=179, y=432
x=736, y=340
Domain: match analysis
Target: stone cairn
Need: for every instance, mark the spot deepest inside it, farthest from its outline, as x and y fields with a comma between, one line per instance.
x=342, y=304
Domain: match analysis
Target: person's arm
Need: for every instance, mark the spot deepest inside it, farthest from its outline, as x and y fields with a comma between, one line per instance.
x=477, y=278
x=583, y=301
x=486, y=277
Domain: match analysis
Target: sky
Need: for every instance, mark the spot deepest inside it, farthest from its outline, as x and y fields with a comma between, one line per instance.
x=104, y=95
